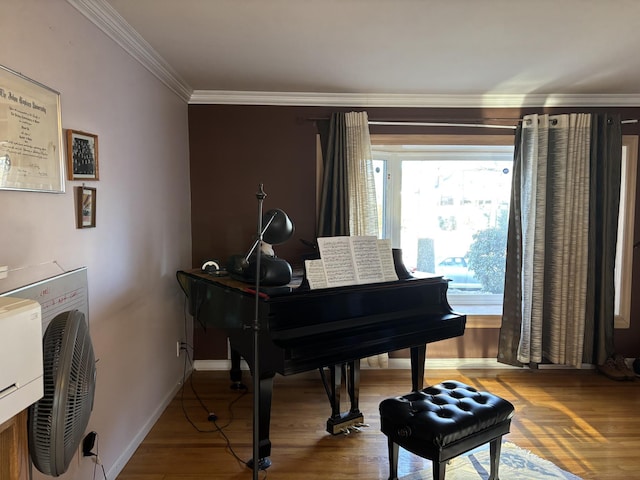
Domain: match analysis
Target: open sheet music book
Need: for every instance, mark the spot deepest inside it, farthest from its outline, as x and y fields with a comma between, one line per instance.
x=351, y=261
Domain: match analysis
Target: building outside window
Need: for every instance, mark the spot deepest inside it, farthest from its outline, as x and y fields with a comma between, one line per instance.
x=446, y=204
x=446, y=207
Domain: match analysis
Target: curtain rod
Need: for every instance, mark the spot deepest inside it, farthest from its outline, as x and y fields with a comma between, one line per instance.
x=450, y=124
x=446, y=124
x=443, y=124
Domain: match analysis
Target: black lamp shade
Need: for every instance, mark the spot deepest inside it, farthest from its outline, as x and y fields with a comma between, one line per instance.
x=280, y=229
x=277, y=228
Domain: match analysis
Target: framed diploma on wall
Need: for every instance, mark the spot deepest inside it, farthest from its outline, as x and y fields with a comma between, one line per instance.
x=31, y=156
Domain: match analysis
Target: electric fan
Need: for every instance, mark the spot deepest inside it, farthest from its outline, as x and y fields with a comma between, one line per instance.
x=58, y=420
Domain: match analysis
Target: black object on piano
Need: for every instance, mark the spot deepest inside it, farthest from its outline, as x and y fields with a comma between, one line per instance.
x=301, y=330
x=273, y=270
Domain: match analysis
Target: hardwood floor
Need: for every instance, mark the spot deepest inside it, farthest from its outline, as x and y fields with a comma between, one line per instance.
x=580, y=420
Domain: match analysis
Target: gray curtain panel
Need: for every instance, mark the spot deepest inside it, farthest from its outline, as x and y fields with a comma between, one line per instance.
x=333, y=218
x=559, y=275
x=606, y=165
x=509, y=338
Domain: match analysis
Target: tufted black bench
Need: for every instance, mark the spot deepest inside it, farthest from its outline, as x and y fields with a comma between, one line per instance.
x=443, y=421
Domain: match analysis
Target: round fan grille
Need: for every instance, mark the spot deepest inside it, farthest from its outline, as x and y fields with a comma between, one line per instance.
x=58, y=420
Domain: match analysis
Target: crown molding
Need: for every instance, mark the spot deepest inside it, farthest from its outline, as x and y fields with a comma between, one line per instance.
x=107, y=19
x=411, y=100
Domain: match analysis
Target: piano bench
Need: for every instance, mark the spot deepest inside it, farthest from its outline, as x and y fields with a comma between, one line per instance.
x=443, y=421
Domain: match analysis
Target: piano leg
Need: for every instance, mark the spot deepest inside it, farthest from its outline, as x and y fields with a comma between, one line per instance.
x=235, y=373
x=418, y=356
x=340, y=422
x=353, y=385
x=264, y=445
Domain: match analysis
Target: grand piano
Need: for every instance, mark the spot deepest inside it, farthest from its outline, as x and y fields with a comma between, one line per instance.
x=327, y=329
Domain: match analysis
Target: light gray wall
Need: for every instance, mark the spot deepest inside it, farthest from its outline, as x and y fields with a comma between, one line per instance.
x=143, y=215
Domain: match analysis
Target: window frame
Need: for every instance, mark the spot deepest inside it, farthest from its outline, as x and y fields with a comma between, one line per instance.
x=624, y=254
x=473, y=320
x=624, y=257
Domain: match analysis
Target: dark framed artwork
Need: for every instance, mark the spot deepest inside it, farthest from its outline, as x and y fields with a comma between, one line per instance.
x=82, y=155
x=85, y=207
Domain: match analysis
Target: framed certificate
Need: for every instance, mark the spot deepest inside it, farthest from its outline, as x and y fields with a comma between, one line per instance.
x=31, y=156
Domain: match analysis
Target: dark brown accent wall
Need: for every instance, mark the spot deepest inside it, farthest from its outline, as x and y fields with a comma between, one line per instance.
x=234, y=148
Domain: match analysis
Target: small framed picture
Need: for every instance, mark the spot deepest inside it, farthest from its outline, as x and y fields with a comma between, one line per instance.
x=85, y=207
x=82, y=155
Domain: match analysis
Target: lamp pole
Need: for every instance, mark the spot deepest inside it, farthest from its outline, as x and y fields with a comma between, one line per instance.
x=280, y=230
x=260, y=196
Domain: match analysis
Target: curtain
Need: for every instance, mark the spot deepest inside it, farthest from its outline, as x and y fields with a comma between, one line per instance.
x=333, y=217
x=363, y=209
x=558, y=297
x=348, y=200
x=348, y=197
x=606, y=166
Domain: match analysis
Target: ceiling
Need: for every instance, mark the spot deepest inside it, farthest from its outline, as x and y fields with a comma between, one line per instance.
x=407, y=50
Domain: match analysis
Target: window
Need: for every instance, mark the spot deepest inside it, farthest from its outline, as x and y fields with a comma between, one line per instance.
x=446, y=206
x=435, y=194
x=624, y=248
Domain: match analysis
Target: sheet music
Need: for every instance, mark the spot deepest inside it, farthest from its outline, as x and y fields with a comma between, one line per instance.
x=367, y=259
x=352, y=260
x=338, y=261
x=386, y=259
x=316, y=274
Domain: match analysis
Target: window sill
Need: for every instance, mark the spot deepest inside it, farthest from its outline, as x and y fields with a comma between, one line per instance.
x=495, y=321
x=484, y=321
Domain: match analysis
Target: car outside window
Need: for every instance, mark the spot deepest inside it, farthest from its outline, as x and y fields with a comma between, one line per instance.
x=446, y=207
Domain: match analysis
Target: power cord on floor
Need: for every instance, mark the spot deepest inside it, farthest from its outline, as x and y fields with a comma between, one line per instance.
x=212, y=417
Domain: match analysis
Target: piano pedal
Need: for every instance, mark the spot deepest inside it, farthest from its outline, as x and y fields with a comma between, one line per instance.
x=356, y=427
x=344, y=422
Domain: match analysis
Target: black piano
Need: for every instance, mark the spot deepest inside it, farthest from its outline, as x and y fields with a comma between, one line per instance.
x=328, y=329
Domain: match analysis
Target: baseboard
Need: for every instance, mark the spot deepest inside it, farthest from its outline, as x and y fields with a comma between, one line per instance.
x=449, y=363
x=394, y=363
x=128, y=452
x=214, y=365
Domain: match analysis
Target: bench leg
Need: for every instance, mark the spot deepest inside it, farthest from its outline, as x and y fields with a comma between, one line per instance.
x=393, y=459
x=438, y=469
x=494, y=450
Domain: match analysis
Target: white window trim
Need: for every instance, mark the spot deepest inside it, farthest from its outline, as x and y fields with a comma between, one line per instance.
x=393, y=208
x=624, y=259
x=624, y=265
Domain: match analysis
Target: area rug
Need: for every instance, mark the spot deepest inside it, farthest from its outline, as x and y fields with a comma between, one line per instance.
x=515, y=464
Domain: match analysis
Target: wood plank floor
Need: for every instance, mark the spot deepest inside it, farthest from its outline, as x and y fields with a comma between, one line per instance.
x=580, y=420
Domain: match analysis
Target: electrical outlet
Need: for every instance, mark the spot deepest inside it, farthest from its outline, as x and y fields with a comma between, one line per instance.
x=88, y=443
x=178, y=348
x=4, y=271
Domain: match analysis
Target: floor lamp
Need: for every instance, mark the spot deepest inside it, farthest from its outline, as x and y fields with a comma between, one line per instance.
x=274, y=228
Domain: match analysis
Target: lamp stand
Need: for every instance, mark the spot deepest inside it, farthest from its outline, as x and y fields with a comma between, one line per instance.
x=276, y=231
x=260, y=196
